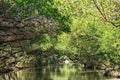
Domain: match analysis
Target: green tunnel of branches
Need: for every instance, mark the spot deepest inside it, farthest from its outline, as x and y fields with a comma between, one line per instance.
x=86, y=30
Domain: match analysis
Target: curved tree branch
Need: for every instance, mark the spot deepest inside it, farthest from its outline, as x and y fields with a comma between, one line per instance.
x=103, y=14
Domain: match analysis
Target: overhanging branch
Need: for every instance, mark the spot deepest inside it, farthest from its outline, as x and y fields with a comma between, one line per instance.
x=103, y=15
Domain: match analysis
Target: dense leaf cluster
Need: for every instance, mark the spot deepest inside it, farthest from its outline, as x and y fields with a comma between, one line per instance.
x=83, y=30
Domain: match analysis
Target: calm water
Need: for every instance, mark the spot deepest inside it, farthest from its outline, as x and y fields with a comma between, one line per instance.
x=53, y=73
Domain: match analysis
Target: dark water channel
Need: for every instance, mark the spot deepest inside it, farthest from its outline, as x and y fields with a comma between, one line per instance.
x=53, y=73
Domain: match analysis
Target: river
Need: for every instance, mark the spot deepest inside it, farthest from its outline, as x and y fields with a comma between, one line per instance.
x=65, y=72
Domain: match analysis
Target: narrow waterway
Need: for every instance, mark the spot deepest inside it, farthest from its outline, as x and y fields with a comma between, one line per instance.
x=54, y=73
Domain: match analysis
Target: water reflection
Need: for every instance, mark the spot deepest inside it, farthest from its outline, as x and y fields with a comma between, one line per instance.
x=53, y=73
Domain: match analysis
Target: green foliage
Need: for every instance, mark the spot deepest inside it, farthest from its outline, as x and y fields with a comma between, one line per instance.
x=63, y=41
x=45, y=42
x=91, y=38
x=92, y=27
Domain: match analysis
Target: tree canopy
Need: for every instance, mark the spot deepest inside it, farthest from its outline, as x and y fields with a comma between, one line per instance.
x=86, y=30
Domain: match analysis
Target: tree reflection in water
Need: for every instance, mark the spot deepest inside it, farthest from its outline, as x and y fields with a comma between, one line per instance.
x=53, y=73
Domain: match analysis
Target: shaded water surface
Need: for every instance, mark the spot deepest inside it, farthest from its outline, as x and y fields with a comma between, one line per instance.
x=53, y=73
